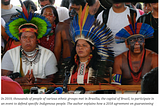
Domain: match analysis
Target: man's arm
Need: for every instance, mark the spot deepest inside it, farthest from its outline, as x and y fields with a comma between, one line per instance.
x=154, y=60
x=117, y=72
x=117, y=65
x=58, y=41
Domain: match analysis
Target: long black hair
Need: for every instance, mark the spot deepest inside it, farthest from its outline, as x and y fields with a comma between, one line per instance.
x=54, y=12
x=93, y=62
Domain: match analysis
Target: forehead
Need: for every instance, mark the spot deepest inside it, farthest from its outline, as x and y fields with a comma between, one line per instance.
x=82, y=41
x=48, y=9
x=137, y=36
x=28, y=34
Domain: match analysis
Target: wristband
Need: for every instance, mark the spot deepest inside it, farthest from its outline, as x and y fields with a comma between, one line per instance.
x=116, y=79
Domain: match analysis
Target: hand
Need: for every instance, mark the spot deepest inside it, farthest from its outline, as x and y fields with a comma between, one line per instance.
x=26, y=78
x=32, y=79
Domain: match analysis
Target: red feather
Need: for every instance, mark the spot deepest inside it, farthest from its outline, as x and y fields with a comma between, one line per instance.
x=138, y=28
x=24, y=9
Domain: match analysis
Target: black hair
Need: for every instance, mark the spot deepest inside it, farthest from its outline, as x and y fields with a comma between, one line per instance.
x=65, y=3
x=79, y=2
x=54, y=12
x=28, y=26
x=51, y=1
x=93, y=62
x=149, y=84
x=139, y=6
x=30, y=3
x=90, y=2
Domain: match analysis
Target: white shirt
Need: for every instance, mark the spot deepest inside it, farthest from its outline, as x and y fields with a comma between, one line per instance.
x=117, y=21
x=44, y=67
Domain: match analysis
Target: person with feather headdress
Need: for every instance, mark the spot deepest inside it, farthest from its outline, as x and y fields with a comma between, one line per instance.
x=33, y=63
x=90, y=52
x=130, y=66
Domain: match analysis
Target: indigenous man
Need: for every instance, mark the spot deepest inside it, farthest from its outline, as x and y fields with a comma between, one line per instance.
x=131, y=65
x=34, y=63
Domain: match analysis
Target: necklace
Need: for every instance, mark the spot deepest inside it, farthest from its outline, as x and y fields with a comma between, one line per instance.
x=136, y=75
x=30, y=57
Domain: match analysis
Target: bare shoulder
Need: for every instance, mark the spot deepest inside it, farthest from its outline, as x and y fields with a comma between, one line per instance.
x=119, y=57
x=153, y=54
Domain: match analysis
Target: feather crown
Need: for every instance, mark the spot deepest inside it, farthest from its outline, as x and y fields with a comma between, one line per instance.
x=85, y=26
x=134, y=29
x=27, y=16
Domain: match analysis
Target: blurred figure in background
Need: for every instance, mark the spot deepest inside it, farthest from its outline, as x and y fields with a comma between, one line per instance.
x=147, y=7
x=51, y=14
x=149, y=84
x=30, y=4
x=65, y=3
x=138, y=6
x=7, y=10
x=63, y=12
x=152, y=19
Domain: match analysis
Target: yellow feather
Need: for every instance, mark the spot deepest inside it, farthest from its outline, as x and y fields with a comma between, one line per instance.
x=79, y=17
x=85, y=16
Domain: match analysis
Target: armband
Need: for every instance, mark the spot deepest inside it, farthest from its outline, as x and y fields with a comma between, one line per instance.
x=116, y=79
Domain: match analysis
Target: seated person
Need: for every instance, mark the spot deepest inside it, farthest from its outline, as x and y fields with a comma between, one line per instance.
x=149, y=84
x=8, y=86
x=131, y=65
x=34, y=63
x=90, y=50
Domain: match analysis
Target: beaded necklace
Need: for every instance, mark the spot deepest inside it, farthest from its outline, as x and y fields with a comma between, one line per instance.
x=136, y=75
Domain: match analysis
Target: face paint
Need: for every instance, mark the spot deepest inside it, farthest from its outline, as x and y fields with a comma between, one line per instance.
x=132, y=41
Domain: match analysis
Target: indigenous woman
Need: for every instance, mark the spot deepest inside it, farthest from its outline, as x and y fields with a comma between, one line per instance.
x=90, y=50
x=51, y=14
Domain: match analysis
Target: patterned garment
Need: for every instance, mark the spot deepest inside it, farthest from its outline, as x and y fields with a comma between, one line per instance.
x=48, y=41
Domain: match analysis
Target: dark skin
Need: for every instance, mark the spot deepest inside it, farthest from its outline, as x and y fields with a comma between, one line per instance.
x=63, y=38
x=28, y=40
x=121, y=64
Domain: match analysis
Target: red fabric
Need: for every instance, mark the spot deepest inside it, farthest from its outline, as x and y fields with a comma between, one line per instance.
x=13, y=45
x=8, y=86
x=141, y=12
x=74, y=78
x=50, y=43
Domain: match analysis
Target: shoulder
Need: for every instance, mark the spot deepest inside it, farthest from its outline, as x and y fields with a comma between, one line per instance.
x=151, y=53
x=17, y=7
x=45, y=50
x=145, y=15
x=64, y=9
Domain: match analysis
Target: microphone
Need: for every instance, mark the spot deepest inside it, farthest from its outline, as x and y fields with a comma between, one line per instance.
x=79, y=90
x=42, y=90
x=26, y=91
x=13, y=75
x=34, y=90
x=58, y=90
x=50, y=90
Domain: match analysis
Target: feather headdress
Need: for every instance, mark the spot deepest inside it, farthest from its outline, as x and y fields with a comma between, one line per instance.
x=142, y=29
x=26, y=16
x=85, y=26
